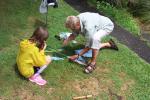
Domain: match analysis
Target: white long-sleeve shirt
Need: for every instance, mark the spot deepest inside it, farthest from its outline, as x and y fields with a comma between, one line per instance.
x=92, y=22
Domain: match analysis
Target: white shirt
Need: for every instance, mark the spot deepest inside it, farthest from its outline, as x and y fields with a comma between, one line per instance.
x=92, y=22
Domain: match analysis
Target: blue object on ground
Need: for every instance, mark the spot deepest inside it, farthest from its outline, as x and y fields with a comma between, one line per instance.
x=82, y=58
x=80, y=62
x=87, y=54
x=56, y=58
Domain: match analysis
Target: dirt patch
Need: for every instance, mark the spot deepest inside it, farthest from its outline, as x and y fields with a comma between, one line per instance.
x=122, y=75
x=100, y=69
x=114, y=95
x=1, y=49
x=87, y=86
x=96, y=87
x=2, y=98
x=91, y=85
x=126, y=85
x=50, y=91
x=101, y=85
x=25, y=94
x=108, y=63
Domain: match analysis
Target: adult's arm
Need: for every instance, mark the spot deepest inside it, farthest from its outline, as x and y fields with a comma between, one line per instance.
x=80, y=54
x=71, y=37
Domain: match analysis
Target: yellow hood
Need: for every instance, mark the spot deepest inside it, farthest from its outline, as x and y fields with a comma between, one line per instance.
x=26, y=44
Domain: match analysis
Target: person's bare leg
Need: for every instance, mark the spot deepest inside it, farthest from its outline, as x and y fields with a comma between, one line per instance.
x=111, y=44
x=90, y=67
x=104, y=45
x=94, y=56
x=48, y=61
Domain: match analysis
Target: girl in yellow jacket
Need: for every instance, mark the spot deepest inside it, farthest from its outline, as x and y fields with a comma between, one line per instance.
x=31, y=54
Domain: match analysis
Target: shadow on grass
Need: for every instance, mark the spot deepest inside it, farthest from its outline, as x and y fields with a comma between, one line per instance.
x=18, y=73
x=67, y=51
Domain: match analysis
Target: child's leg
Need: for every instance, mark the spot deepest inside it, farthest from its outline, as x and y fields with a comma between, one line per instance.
x=40, y=70
x=48, y=60
x=36, y=69
x=37, y=78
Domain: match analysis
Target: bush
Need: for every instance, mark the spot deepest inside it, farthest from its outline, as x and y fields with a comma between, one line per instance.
x=121, y=16
x=141, y=9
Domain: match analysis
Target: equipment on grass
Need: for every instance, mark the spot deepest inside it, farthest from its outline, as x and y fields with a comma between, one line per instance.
x=56, y=58
x=82, y=97
x=63, y=35
x=56, y=51
x=52, y=3
x=44, y=6
x=78, y=61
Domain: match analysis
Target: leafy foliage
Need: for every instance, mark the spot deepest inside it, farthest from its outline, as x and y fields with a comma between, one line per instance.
x=139, y=8
x=121, y=16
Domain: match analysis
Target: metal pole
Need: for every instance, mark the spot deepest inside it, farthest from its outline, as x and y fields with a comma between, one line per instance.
x=46, y=15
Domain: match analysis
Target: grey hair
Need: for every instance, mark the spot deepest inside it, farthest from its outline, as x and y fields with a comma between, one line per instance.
x=71, y=21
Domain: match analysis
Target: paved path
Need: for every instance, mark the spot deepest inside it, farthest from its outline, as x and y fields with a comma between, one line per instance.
x=125, y=37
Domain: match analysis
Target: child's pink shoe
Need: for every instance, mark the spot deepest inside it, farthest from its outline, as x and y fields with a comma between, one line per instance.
x=38, y=80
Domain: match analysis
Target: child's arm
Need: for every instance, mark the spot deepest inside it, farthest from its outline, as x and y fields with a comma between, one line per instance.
x=39, y=57
x=45, y=45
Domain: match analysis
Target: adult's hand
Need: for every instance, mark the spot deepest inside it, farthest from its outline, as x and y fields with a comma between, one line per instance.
x=65, y=42
x=73, y=57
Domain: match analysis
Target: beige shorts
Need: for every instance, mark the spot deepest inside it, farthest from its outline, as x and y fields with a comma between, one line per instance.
x=95, y=41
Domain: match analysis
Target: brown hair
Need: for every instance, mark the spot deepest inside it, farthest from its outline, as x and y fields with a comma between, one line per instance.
x=40, y=35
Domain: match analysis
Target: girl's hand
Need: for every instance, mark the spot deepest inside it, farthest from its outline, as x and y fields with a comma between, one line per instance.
x=45, y=45
x=48, y=59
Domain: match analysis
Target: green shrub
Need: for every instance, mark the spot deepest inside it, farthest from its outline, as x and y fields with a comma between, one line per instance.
x=141, y=9
x=121, y=17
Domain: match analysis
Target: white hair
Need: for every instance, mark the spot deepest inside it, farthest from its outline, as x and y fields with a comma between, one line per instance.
x=71, y=21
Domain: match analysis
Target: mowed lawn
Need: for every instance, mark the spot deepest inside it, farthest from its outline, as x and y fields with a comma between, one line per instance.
x=119, y=74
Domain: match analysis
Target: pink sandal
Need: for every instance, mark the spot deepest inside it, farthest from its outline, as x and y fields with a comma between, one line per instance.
x=38, y=80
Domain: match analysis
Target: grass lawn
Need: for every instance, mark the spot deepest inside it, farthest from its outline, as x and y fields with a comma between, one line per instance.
x=120, y=73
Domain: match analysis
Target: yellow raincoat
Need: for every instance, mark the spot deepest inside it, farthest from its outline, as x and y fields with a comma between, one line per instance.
x=29, y=56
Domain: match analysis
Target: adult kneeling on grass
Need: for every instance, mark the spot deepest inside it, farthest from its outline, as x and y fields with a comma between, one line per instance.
x=93, y=27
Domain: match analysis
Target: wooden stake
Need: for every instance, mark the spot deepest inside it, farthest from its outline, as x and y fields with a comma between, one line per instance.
x=82, y=97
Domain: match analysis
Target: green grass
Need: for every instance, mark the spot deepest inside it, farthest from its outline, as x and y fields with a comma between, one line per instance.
x=119, y=15
x=123, y=72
